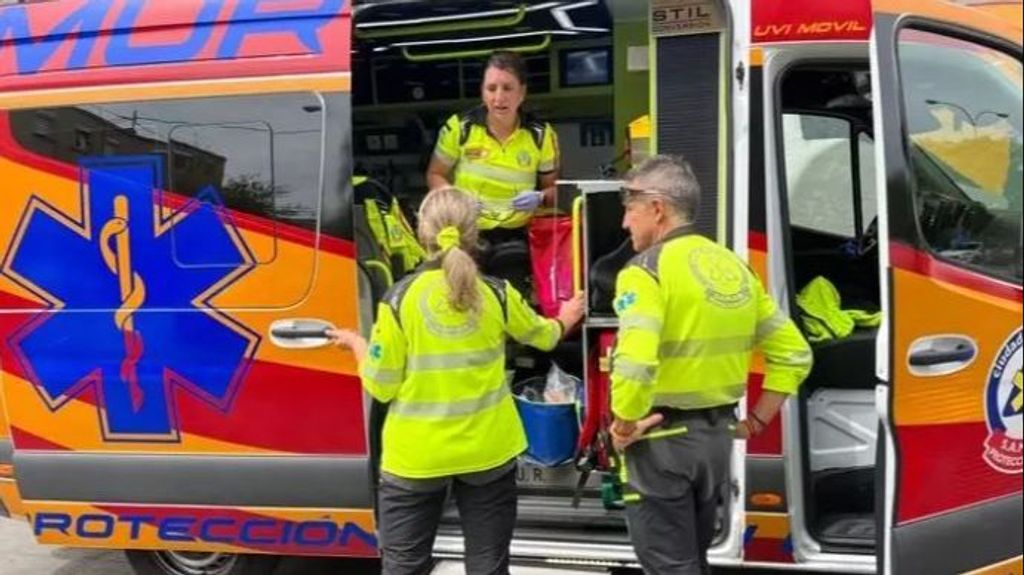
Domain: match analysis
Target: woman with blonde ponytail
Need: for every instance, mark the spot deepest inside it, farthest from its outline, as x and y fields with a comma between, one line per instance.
x=447, y=228
x=437, y=358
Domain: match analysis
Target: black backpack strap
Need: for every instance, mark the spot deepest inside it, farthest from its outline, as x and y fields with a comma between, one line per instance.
x=396, y=293
x=498, y=287
x=537, y=130
x=465, y=125
x=647, y=260
x=477, y=115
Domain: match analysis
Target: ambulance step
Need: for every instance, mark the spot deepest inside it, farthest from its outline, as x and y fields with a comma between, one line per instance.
x=848, y=530
x=457, y=568
x=557, y=512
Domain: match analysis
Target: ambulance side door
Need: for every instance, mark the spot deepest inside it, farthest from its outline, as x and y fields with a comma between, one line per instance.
x=947, y=104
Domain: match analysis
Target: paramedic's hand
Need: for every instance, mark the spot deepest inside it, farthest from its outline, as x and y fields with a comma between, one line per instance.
x=527, y=201
x=747, y=428
x=625, y=433
x=351, y=340
x=571, y=313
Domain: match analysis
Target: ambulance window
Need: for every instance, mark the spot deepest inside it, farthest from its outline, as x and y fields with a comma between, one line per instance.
x=201, y=166
x=260, y=156
x=963, y=105
x=819, y=176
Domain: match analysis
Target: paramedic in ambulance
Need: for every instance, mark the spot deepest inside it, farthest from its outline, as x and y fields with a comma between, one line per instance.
x=690, y=316
x=507, y=160
x=437, y=357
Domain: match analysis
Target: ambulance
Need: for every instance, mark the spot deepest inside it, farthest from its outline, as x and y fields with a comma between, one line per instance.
x=179, y=221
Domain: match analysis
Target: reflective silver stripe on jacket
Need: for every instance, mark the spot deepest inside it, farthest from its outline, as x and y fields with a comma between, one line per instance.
x=444, y=157
x=446, y=409
x=458, y=360
x=769, y=326
x=539, y=330
x=794, y=359
x=632, y=370
x=705, y=347
x=383, y=375
x=505, y=175
x=643, y=322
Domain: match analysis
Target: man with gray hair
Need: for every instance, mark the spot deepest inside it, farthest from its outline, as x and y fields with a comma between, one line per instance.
x=690, y=316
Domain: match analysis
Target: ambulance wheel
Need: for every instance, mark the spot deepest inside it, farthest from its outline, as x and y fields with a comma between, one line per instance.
x=187, y=563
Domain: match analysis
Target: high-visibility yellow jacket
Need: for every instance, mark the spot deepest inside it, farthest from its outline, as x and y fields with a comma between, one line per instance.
x=494, y=171
x=690, y=315
x=823, y=315
x=443, y=372
x=394, y=235
x=391, y=231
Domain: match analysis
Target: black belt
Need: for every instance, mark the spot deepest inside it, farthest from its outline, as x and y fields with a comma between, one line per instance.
x=711, y=414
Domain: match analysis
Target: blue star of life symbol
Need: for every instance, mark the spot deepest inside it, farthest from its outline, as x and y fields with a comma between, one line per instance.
x=376, y=351
x=128, y=285
x=625, y=301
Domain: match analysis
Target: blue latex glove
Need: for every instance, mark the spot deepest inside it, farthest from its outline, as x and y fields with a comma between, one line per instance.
x=527, y=201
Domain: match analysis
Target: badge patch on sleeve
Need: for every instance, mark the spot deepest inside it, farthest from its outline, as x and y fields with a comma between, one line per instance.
x=376, y=352
x=625, y=301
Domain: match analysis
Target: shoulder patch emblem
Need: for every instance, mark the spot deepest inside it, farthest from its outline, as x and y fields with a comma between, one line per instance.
x=625, y=301
x=376, y=352
x=523, y=158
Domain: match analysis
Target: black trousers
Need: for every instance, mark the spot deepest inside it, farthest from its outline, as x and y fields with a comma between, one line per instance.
x=673, y=487
x=409, y=519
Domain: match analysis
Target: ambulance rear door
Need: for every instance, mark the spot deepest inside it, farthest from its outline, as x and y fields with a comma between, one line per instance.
x=947, y=107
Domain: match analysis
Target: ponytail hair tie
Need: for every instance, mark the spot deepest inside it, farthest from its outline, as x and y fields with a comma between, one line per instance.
x=448, y=238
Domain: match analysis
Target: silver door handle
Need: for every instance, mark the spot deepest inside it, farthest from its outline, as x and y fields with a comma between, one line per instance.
x=941, y=354
x=300, y=333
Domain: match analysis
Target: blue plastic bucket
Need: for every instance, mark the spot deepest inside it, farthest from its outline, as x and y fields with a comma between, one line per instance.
x=552, y=431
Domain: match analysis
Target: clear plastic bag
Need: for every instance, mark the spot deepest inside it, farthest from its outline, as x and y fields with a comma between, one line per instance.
x=560, y=387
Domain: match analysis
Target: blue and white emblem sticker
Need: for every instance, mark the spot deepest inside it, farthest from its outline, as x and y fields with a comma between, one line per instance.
x=625, y=301
x=1003, y=401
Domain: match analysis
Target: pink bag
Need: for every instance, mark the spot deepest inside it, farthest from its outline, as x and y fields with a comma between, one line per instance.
x=550, y=240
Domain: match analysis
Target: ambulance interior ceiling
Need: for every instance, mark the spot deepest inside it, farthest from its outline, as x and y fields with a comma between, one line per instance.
x=417, y=62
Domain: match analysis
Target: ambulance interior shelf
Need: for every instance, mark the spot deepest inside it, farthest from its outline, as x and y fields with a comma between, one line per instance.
x=607, y=247
x=597, y=215
x=552, y=429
